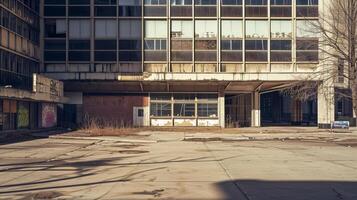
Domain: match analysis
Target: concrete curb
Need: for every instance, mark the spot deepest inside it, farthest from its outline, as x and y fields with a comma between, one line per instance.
x=102, y=139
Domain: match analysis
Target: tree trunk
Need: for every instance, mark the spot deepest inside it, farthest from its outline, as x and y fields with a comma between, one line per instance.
x=354, y=98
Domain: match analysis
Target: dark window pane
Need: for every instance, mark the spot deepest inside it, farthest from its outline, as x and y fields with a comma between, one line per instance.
x=79, y=44
x=307, y=45
x=105, y=44
x=130, y=11
x=79, y=11
x=129, y=44
x=55, y=44
x=105, y=11
x=55, y=56
x=280, y=45
x=256, y=44
x=105, y=56
x=78, y=2
x=78, y=55
x=130, y=56
x=55, y=11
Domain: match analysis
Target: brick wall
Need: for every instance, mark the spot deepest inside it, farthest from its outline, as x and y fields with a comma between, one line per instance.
x=113, y=108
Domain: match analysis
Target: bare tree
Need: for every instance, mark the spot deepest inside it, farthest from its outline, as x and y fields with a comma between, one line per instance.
x=337, y=26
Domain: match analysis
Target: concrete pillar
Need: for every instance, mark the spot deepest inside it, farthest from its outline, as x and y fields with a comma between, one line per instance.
x=326, y=105
x=256, y=109
x=221, y=109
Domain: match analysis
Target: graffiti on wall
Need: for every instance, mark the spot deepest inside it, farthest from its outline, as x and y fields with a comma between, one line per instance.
x=49, y=115
x=23, y=115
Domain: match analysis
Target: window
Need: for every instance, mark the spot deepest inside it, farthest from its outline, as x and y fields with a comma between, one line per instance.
x=130, y=8
x=181, y=29
x=54, y=10
x=78, y=11
x=257, y=29
x=155, y=29
x=160, y=109
x=130, y=29
x=55, y=28
x=280, y=45
x=281, y=29
x=307, y=28
x=255, y=2
x=181, y=2
x=105, y=29
x=256, y=45
x=184, y=109
x=105, y=2
x=205, y=2
x=231, y=44
x=307, y=2
x=232, y=2
x=256, y=8
x=207, y=110
x=155, y=44
x=79, y=29
x=105, y=11
x=155, y=2
x=79, y=44
x=280, y=2
x=232, y=29
x=206, y=29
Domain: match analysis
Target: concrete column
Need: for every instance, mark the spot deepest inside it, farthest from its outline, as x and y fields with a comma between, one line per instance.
x=326, y=105
x=221, y=109
x=256, y=109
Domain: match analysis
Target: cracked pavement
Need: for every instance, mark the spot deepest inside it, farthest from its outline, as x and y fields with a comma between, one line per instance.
x=176, y=169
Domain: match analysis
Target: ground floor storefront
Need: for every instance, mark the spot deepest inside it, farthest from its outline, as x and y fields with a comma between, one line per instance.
x=190, y=104
x=27, y=115
x=39, y=108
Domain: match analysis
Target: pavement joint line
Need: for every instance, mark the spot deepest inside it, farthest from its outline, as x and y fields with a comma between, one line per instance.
x=227, y=173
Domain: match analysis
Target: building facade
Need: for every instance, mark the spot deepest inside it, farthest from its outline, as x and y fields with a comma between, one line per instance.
x=184, y=62
x=24, y=99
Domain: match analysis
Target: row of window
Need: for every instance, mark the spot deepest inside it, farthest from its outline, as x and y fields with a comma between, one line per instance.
x=111, y=29
x=18, y=43
x=181, y=2
x=184, y=105
x=19, y=6
x=176, y=67
x=181, y=11
x=22, y=11
x=16, y=71
x=229, y=56
x=17, y=25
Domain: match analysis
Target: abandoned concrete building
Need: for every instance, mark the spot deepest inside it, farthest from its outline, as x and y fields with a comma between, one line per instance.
x=176, y=62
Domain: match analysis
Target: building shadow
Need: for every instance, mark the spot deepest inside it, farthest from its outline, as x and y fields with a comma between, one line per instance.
x=288, y=190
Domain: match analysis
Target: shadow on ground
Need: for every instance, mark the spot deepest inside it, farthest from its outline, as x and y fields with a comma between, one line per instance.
x=290, y=190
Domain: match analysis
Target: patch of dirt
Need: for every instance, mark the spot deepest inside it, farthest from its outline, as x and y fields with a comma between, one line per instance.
x=133, y=151
x=42, y=195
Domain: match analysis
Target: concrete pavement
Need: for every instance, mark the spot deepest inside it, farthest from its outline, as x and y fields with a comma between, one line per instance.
x=176, y=169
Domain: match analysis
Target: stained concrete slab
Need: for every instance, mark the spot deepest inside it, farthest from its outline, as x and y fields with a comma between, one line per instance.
x=177, y=169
